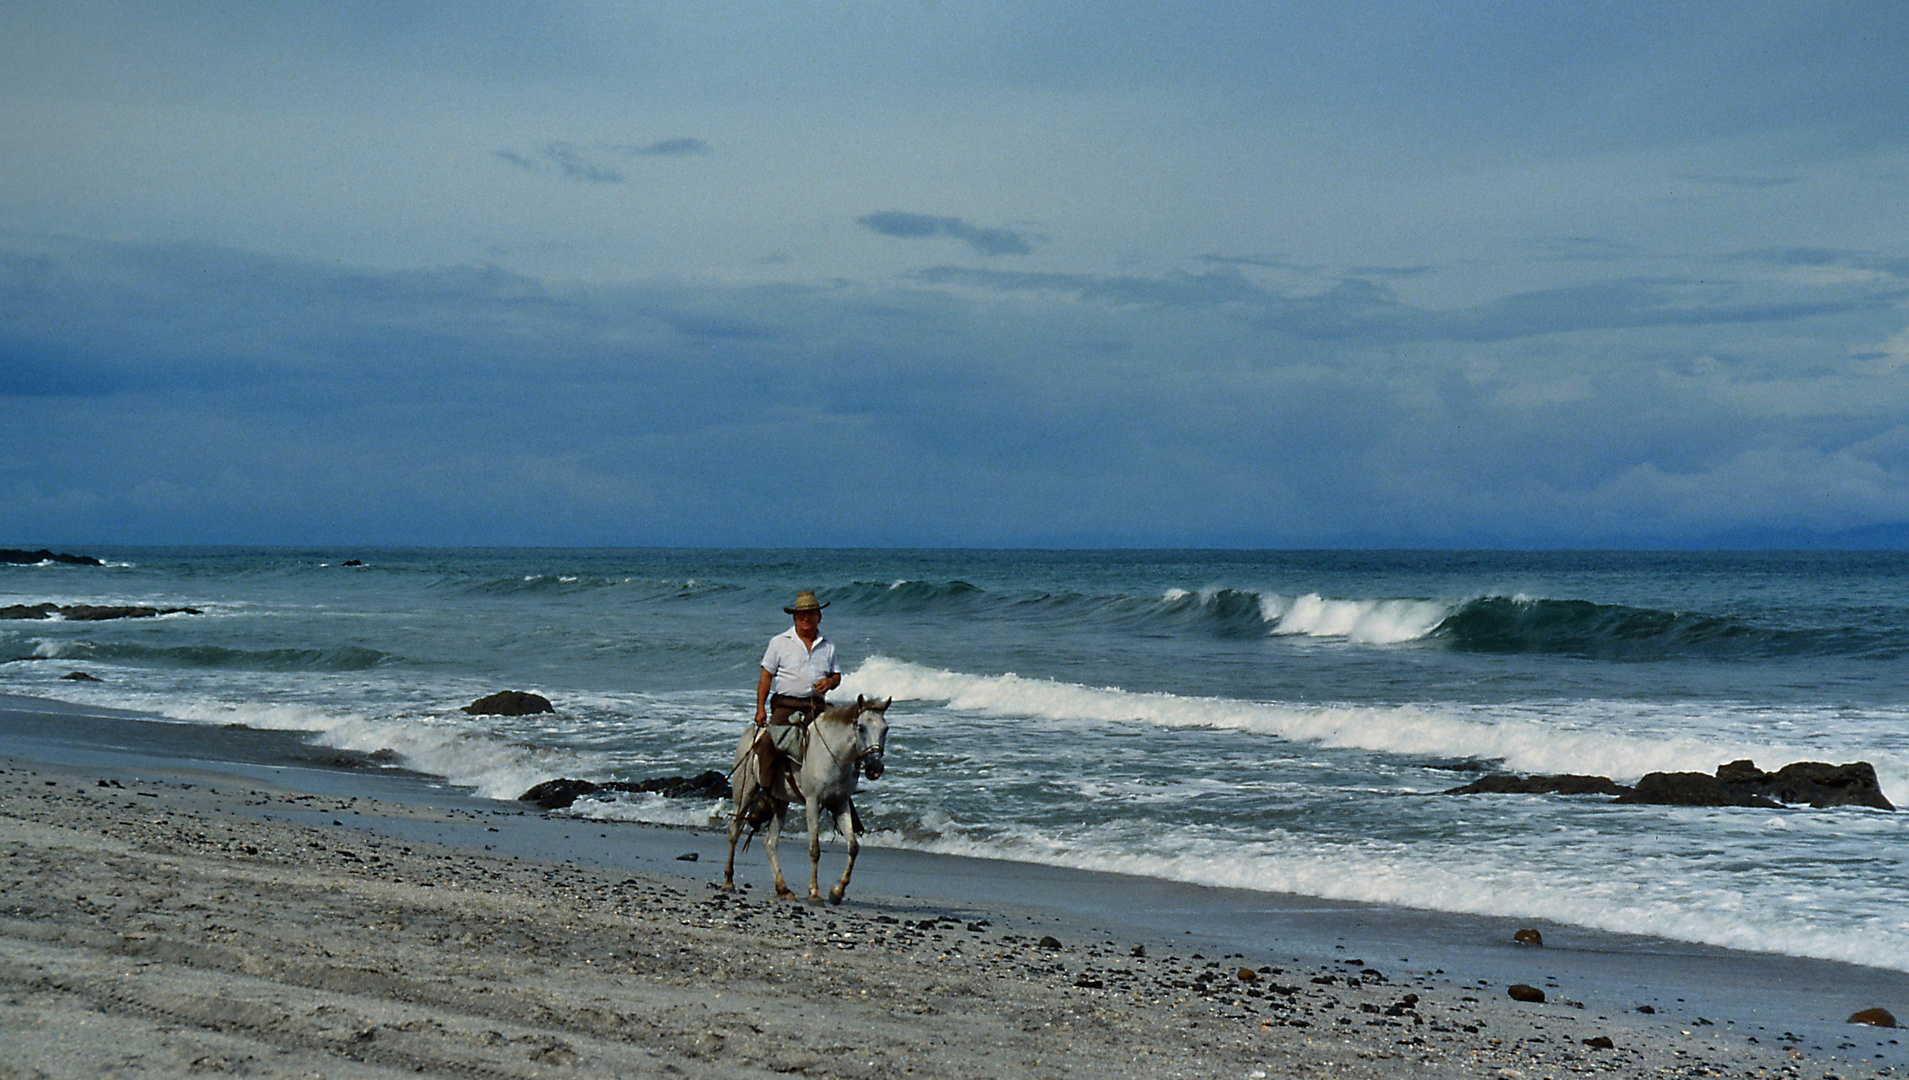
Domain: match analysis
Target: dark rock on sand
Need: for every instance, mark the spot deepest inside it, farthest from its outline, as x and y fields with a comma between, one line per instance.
x=510, y=703
x=31, y=558
x=89, y=612
x=1050, y=942
x=1248, y=975
x=1566, y=784
x=1690, y=789
x=1817, y=783
x=1741, y=783
x=1528, y=936
x=713, y=784
x=79, y=676
x=1521, y=992
x=1600, y=1042
x=1874, y=1018
x=559, y=793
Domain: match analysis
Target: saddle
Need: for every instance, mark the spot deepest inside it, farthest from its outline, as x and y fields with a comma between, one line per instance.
x=770, y=768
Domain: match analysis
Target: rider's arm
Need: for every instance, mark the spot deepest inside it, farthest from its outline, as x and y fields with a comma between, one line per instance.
x=762, y=696
x=833, y=677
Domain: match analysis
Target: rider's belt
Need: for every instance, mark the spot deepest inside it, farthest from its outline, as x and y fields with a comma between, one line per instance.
x=805, y=707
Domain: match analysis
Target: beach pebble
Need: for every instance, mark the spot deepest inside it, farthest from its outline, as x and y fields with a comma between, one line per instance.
x=1050, y=942
x=1528, y=936
x=1248, y=975
x=1522, y=992
x=1600, y=1042
x=1874, y=1018
x=688, y=856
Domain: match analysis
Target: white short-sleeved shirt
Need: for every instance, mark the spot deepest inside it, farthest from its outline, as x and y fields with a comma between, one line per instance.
x=796, y=666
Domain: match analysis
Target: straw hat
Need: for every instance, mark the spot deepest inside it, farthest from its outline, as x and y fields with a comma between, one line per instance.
x=805, y=601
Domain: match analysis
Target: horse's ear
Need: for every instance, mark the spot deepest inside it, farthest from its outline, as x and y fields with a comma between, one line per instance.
x=886, y=702
x=859, y=702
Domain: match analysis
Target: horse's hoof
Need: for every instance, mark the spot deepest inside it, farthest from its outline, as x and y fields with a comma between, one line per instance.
x=785, y=894
x=835, y=896
x=815, y=900
x=728, y=886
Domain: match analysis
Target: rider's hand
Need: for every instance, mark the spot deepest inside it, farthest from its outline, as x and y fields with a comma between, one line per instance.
x=762, y=717
x=822, y=686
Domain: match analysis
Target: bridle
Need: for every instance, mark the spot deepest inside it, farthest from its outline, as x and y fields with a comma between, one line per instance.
x=862, y=761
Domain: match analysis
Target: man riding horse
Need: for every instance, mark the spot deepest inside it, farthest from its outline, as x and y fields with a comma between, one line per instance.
x=802, y=750
x=798, y=671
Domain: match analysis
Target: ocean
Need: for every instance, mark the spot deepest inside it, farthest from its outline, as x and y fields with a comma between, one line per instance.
x=1277, y=721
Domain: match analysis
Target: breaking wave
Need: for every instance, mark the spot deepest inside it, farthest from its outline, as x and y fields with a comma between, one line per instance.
x=1620, y=632
x=1485, y=624
x=1544, y=740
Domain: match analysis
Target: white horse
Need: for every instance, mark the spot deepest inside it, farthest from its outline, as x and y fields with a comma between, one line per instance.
x=843, y=740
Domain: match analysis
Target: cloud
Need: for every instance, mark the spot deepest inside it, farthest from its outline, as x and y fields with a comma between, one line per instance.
x=1262, y=261
x=1586, y=249
x=1623, y=304
x=670, y=148
x=1177, y=289
x=1391, y=271
x=907, y=226
x=586, y=165
x=519, y=160
x=565, y=160
x=1755, y=183
x=1356, y=309
x=1862, y=262
x=573, y=164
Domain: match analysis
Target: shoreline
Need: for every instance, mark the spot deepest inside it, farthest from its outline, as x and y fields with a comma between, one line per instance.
x=225, y=856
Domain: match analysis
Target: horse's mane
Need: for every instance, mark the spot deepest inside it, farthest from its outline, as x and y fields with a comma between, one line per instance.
x=850, y=711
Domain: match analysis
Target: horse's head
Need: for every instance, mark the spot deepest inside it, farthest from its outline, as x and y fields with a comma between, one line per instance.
x=871, y=734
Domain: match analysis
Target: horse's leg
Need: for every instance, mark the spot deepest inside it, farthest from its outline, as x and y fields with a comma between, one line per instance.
x=845, y=824
x=729, y=867
x=739, y=798
x=770, y=836
x=815, y=852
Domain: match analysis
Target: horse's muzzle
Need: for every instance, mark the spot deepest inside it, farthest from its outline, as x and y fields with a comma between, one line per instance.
x=872, y=767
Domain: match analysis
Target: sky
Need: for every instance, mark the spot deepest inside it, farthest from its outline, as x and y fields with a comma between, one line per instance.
x=1048, y=274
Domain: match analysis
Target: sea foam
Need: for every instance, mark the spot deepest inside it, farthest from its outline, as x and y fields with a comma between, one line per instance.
x=1563, y=737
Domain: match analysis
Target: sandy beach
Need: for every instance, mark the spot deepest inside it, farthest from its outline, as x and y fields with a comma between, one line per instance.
x=175, y=915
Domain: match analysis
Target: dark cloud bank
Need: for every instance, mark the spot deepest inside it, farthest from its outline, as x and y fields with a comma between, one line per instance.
x=196, y=394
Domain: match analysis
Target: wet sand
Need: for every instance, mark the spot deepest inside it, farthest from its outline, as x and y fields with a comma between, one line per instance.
x=167, y=914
